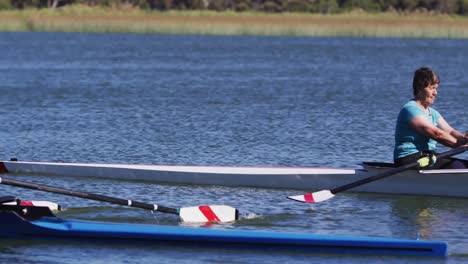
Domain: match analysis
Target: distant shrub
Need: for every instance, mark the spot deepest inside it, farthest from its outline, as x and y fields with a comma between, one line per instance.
x=160, y=4
x=143, y=4
x=243, y=6
x=325, y=6
x=463, y=7
x=110, y=3
x=298, y=6
x=271, y=7
x=428, y=7
x=217, y=5
x=5, y=4
x=32, y=4
x=407, y=5
x=367, y=5
x=198, y=4
x=448, y=7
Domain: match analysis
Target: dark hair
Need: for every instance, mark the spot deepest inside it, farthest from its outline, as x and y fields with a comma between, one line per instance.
x=423, y=77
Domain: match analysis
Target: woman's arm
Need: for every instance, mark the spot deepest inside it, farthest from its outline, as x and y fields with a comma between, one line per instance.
x=462, y=139
x=445, y=135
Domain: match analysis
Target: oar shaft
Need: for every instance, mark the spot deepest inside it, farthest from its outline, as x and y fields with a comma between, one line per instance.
x=452, y=152
x=374, y=178
x=90, y=196
x=395, y=171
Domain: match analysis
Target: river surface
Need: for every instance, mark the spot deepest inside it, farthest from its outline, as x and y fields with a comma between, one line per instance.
x=223, y=100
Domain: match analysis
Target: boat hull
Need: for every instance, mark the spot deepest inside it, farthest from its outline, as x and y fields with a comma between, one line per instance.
x=53, y=228
x=424, y=182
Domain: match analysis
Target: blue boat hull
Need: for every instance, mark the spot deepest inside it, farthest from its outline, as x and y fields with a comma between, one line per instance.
x=50, y=227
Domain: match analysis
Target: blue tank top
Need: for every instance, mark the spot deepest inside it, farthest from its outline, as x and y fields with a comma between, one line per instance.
x=407, y=140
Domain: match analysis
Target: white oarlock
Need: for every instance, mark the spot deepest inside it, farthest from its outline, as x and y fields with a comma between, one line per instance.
x=222, y=213
x=52, y=206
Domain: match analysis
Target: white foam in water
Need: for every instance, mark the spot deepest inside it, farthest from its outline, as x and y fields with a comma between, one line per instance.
x=250, y=216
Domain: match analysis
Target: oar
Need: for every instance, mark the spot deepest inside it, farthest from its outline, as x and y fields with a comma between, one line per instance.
x=324, y=195
x=204, y=213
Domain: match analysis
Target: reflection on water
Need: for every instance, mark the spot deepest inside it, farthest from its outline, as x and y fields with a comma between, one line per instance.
x=431, y=218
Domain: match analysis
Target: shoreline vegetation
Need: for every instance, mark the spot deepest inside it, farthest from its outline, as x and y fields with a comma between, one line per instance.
x=81, y=18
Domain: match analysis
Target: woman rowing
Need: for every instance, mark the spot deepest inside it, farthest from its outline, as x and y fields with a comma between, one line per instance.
x=420, y=127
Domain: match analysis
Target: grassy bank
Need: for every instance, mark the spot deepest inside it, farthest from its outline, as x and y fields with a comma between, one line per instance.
x=86, y=19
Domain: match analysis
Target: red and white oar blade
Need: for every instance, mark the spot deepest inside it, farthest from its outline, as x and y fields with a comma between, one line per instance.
x=315, y=197
x=52, y=206
x=208, y=213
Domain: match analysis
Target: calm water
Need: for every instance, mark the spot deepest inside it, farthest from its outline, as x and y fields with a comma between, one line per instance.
x=203, y=100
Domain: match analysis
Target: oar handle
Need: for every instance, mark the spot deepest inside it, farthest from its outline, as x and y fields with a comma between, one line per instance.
x=90, y=196
x=395, y=170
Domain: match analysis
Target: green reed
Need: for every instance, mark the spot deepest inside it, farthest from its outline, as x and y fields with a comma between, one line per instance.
x=81, y=18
